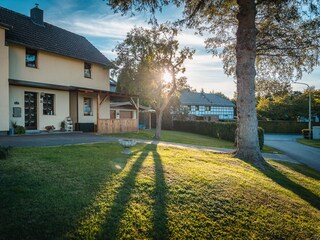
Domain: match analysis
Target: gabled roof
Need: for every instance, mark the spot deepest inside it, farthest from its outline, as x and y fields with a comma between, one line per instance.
x=49, y=38
x=113, y=82
x=204, y=99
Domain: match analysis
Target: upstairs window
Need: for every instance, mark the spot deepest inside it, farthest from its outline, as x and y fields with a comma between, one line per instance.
x=48, y=104
x=31, y=58
x=87, y=70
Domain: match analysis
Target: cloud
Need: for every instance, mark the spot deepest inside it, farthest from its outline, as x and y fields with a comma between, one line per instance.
x=102, y=26
x=190, y=39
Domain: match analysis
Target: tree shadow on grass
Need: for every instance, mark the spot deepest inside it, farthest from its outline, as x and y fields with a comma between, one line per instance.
x=290, y=185
x=160, y=220
x=122, y=199
x=303, y=169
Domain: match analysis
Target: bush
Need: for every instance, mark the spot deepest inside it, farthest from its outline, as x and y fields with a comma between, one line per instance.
x=305, y=133
x=19, y=130
x=4, y=152
x=261, y=137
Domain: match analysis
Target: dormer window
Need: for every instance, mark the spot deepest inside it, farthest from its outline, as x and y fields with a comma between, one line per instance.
x=87, y=70
x=31, y=58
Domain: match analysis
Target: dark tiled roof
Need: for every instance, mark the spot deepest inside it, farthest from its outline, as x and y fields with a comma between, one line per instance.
x=204, y=99
x=113, y=82
x=49, y=38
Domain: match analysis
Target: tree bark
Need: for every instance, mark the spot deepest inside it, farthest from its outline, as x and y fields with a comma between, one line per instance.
x=247, y=124
x=161, y=108
x=159, y=114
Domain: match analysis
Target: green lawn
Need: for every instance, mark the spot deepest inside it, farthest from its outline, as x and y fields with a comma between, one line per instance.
x=95, y=192
x=186, y=138
x=309, y=142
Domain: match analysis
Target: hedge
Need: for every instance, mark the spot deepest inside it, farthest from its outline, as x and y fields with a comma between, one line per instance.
x=221, y=130
x=283, y=126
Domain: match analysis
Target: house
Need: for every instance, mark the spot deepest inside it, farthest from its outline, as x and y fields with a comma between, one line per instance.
x=206, y=106
x=113, y=85
x=48, y=73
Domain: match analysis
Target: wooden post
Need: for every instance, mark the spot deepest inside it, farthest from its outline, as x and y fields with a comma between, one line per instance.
x=149, y=120
x=98, y=111
x=138, y=112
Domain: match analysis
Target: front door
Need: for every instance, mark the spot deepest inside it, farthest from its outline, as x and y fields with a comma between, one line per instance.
x=30, y=110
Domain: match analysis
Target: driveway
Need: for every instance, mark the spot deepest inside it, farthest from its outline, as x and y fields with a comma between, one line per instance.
x=55, y=139
x=299, y=152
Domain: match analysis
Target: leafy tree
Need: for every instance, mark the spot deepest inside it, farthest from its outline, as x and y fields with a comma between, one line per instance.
x=144, y=56
x=280, y=37
x=288, y=107
x=273, y=88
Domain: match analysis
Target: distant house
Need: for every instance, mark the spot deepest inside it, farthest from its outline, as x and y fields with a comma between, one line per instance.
x=206, y=106
x=48, y=73
x=113, y=85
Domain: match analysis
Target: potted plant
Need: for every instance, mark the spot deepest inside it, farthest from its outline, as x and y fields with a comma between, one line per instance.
x=50, y=128
x=63, y=126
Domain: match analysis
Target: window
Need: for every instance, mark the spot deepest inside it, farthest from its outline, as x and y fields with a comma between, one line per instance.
x=208, y=108
x=197, y=108
x=48, y=104
x=87, y=70
x=87, y=107
x=31, y=58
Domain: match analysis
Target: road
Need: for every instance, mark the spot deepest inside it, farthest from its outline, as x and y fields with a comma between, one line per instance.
x=299, y=152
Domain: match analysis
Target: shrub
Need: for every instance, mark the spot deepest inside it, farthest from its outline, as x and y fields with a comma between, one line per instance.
x=261, y=137
x=305, y=133
x=4, y=152
x=63, y=125
x=19, y=130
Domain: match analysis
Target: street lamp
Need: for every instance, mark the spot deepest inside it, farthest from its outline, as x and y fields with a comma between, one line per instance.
x=309, y=123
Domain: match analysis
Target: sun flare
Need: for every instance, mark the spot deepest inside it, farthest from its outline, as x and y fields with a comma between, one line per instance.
x=167, y=77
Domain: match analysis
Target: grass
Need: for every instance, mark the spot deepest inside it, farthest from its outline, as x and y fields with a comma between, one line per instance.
x=309, y=142
x=187, y=138
x=95, y=192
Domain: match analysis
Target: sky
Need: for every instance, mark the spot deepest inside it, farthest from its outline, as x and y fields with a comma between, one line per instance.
x=105, y=29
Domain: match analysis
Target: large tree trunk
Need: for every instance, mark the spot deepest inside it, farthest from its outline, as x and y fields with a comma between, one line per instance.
x=247, y=133
x=159, y=113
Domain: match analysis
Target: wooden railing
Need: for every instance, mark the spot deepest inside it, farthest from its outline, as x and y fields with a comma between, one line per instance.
x=117, y=125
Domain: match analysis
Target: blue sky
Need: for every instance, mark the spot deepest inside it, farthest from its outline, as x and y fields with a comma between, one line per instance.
x=94, y=20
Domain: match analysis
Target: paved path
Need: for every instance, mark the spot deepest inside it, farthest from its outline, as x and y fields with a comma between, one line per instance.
x=299, y=152
x=58, y=139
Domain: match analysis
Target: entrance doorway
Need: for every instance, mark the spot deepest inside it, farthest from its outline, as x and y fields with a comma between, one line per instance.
x=30, y=110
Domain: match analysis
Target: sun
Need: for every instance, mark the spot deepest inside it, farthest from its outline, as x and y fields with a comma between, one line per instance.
x=167, y=77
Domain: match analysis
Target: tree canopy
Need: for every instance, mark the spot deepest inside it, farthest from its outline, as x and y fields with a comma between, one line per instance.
x=289, y=107
x=144, y=57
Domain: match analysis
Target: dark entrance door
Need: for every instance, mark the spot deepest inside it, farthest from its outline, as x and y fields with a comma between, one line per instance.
x=30, y=110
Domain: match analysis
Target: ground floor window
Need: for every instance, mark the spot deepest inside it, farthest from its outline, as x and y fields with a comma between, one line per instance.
x=48, y=104
x=87, y=104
